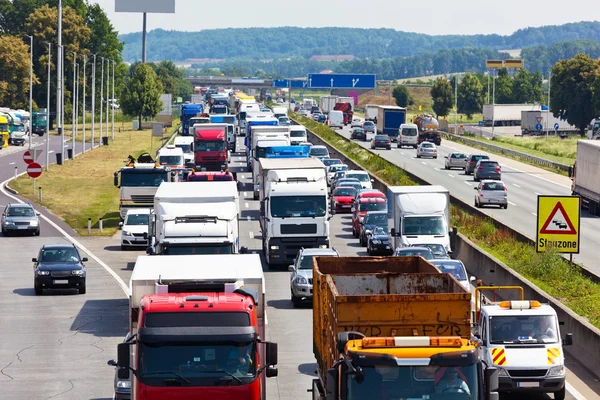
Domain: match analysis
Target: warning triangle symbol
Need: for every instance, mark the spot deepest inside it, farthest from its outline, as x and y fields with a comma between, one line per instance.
x=558, y=222
x=539, y=119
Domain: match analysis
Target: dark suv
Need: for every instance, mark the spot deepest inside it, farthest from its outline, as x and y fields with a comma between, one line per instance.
x=472, y=161
x=58, y=267
x=20, y=218
x=487, y=169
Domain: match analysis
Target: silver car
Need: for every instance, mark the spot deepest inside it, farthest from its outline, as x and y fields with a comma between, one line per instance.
x=20, y=218
x=301, y=281
x=456, y=159
x=427, y=149
x=491, y=192
x=456, y=268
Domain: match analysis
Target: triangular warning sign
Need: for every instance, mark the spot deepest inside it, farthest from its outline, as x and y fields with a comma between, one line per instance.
x=558, y=222
x=539, y=119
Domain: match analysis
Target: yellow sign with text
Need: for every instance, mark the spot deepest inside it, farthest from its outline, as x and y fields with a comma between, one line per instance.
x=558, y=219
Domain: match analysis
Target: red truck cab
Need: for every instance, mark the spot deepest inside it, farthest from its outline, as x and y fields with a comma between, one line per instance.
x=205, y=176
x=210, y=149
x=346, y=109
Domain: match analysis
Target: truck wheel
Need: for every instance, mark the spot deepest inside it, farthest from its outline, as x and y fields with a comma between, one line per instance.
x=560, y=395
x=295, y=301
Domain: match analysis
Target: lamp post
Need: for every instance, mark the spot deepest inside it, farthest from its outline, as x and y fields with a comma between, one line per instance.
x=48, y=111
x=493, y=102
x=31, y=90
x=76, y=106
x=83, y=109
x=73, y=95
x=107, y=94
x=101, y=98
x=93, y=101
x=59, y=78
x=113, y=103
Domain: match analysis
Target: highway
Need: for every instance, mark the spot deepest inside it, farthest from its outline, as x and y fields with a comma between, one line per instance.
x=56, y=346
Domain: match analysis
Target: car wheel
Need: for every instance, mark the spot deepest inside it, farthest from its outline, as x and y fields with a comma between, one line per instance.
x=418, y=156
x=476, y=204
x=560, y=395
x=82, y=287
x=37, y=233
x=435, y=157
x=123, y=248
x=506, y=206
x=295, y=301
x=446, y=167
x=38, y=289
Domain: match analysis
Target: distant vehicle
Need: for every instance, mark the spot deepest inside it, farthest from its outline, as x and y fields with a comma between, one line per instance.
x=491, y=193
x=58, y=267
x=379, y=141
x=438, y=250
x=361, y=207
x=336, y=119
x=343, y=197
x=408, y=135
x=367, y=193
x=380, y=242
x=328, y=162
x=322, y=118
x=303, y=112
x=424, y=252
x=355, y=183
x=133, y=228
x=284, y=121
x=456, y=268
x=358, y=134
x=487, y=169
x=319, y=152
x=332, y=170
x=456, y=159
x=309, y=144
x=427, y=149
x=302, y=273
x=297, y=134
x=362, y=176
x=356, y=123
x=20, y=218
x=472, y=160
x=369, y=126
x=315, y=116
x=372, y=220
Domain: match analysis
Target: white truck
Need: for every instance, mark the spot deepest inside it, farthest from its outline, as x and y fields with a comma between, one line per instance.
x=327, y=103
x=586, y=175
x=279, y=112
x=195, y=218
x=532, y=120
x=419, y=215
x=506, y=114
x=263, y=137
x=298, y=135
x=371, y=111
x=186, y=144
x=294, y=211
x=594, y=130
x=309, y=103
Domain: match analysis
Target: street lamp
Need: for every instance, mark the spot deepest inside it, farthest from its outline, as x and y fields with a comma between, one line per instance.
x=48, y=109
x=107, y=94
x=93, y=101
x=113, y=103
x=101, y=97
x=30, y=90
x=73, y=95
x=83, y=110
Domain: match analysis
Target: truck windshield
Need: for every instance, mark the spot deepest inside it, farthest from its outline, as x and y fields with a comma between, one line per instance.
x=212, y=248
x=3, y=127
x=136, y=178
x=298, y=206
x=523, y=329
x=186, y=148
x=297, y=134
x=18, y=128
x=433, y=225
x=409, y=132
x=427, y=382
x=210, y=145
x=170, y=161
x=209, y=364
x=41, y=117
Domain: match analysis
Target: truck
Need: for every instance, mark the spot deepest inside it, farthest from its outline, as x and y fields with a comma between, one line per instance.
x=294, y=210
x=506, y=114
x=390, y=328
x=298, y=134
x=419, y=215
x=389, y=119
x=197, y=98
x=210, y=147
x=138, y=182
x=327, y=103
x=531, y=120
x=264, y=137
x=189, y=111
x=594, y=129
x=371, y=112
x=279, y=112
x=346, y=109
x=39, y=121
x=231, y=122
x=274, y=150
x=17, y=130
x=428, y=128
x=197, y=329
x=585, y=175
x=349, y=100
x=256, y=120
x=308, y=103
x=195, y=218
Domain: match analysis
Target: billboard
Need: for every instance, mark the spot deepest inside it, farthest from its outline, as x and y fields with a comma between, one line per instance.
x=145, y=6
x=493, y=64
x=513, y=63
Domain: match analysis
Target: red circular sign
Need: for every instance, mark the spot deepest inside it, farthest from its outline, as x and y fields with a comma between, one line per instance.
x=27, y=157
x=34, y=170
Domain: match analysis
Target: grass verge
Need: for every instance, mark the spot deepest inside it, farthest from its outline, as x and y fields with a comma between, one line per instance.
x=83, y=188
x=549, y=271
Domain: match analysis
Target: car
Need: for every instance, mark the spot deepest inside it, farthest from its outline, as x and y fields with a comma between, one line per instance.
x=328, y=162
x=456, y=159
x=122, y=385
x=301, y=280
x=358, y=134
x=438, y=250
x=371, y=220
x=380, y=242
x=366, y=193
x=360, y=209
x=457, y=269
x=322, y=118
x=381, y=141
x=362, y=176
x=472, y=160
x=356, y=123
x=303, y=112
x=284, y=121
x=355, y=183
x=20, y=218
x=487, y=169
x=319, y=152
x=369, y=126
x=332, y=170
x=424, y=252
x=491, y=192
x=427, y=149
x=342, y=198
x=309, y=144
x=315, y=116
x=59, y=266
x=280, y=101
x=133, y=228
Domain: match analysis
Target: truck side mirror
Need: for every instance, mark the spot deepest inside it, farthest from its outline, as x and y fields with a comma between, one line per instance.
x=123, y=360
x=262, y=208
x=150, y=251
x=144, y=235
x=243, y=250
x=271, y=353
x=568, y=340
x=491, y=379
x=393, y=232
x=116, y=179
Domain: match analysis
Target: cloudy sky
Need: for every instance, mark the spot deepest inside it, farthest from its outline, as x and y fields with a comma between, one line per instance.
x=432, y=17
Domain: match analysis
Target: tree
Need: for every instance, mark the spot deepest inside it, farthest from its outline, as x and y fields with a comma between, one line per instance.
x=596, y=97
x=442, y=96
x=527, y=87
x=504, y=85
x=402, y=96
x=141, y=95
x=470, y=95
x=571, y=89
x=14, y=72
x=173, y=79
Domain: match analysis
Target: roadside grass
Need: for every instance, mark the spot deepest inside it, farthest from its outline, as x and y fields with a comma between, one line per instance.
x=552, y=145
x=83, y=188
x=549, y=271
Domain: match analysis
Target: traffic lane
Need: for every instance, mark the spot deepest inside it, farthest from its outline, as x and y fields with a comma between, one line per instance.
x=56, y=345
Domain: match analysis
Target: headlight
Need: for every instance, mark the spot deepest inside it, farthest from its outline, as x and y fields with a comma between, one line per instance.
x=77, y=273
x=502, y=372
x=124, y=384
x=126, y=233
x=557, y=371
x=367, y=232
x=8, y=223
x=301, y=280
x=360, y=219
x=34, y=223
x=274, y=247
x=43, y=273
x=376, y=241
x=323, y=246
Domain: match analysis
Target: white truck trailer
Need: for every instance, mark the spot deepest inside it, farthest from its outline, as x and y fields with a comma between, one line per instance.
x=531, y=120
x=506, y=114
x=586, y=174
x=327, y=103
x=371, y=111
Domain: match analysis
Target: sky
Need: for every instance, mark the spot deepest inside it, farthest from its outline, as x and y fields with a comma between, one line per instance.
x=434, y=17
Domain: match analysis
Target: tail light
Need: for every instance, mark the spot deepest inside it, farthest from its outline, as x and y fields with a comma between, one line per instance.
x=505, y=188
x=480, y=168
x=497, y=168
x=471, y=162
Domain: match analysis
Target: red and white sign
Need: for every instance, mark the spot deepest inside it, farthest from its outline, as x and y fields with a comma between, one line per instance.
x=34, y=170
x=27, y=157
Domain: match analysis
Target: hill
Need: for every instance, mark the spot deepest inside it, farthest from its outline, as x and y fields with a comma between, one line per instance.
x=277, y=43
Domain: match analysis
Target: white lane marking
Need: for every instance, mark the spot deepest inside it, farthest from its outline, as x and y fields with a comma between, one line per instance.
x=247, y=205
x=514, y=184
x=248, y=218
x=251, y=234
x=451, y=176
x=512, y=204
x=437, y=169
x=423, y=162
x=12, y=163
x=51, y=151
x=574, y=392
x=71, y=239
x=467, y=183
x=402, y=152
x=534, y=214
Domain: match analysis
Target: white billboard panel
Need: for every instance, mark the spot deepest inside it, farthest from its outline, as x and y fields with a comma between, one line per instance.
x=145, y=6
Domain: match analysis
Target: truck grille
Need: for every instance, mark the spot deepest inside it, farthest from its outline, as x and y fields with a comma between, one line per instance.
x=523, y=373
x=290, y=229
x=210, y=159
x=60, y=274
x=142, y=198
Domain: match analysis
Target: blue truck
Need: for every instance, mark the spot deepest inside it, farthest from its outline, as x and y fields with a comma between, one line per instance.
x=287, y=152
x=189, y=111
x=389, y=119
x=255, y=121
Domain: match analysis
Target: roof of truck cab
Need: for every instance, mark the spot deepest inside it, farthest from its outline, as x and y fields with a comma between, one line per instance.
x=494, y=310
x=282, y=163
x=194, y=190
x=225, y=302
x=417, y=189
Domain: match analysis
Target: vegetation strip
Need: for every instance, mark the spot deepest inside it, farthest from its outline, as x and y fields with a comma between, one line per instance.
x=549, y=271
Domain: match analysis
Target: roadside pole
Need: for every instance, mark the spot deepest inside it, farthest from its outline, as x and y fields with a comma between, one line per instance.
x=48, y=112
x=548, y=117
x=93, y=100
x=74, y=96
x=113, y=103
x=493, y=103
x=83, y=110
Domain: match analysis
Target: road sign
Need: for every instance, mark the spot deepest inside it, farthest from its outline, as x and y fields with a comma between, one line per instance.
x=494, y=64
x=558, y=221
x=556, y=126
x=513, y=63
x=34, y=170
x=281, y=83
x=27, y=157
x=296, y=84
x=539, y=119
x=341, y=81
x=539, y=127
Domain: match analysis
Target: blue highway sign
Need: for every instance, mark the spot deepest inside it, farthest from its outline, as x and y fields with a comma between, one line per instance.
x=342, y=81
x=556, y=126
x=283, y=83
x=539, y=127
x=280, y=83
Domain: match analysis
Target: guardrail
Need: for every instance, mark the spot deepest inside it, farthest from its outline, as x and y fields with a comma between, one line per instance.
x=512, y=153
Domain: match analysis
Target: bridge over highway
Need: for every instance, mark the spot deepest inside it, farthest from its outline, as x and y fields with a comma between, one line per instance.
x=236, y=83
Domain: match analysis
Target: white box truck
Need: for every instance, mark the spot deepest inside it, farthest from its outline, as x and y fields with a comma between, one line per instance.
x=371, y=111
x=506, y=114
x=327, y=103
x=195, y=218
x=586, y=174
x=263, y=137
x=419, y=215
x=532, y=120
x=294, y=211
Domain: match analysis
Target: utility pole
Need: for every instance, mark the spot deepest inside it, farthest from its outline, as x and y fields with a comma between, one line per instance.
x=488, y=91
x=101, y=98
x=455, y=104
x=31, y=90
x=548, y=116
x=74, y=96
x=48, y=111
x=83, y=104
x=493, y=103
x=76, y=108
x=107, y=95
x=59, y=85
x=113, y=102
x=93, y=100
x=62, y=104
x=144, y=40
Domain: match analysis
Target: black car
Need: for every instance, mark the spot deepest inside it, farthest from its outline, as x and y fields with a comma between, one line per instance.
x=372, y=219
x=381, y=141
x=59, y=267
x=359, y=134
x=380, y=242
x=424, y=252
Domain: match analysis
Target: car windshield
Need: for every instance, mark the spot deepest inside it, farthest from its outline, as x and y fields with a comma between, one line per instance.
x=284, y=119
x=210, y=145
x=409, y=131
x=433, y=225
x=453, y=267
x=372, y=206
x=382, y=137
x=380, y=230
x=344, y=192
x=348, y=182
x=426, y=254
x=437, y=249
x=170, y=160
x=488, y=164
x=67, y=254
x=186, y=148
x=306, y=262
x=523, y=329
x=18, y=128
x=319, y=151
x=298, y=206
x=477, y=158
x=331, y=161
x=297, y=134
x=493, y=186
x=368, y=123
x=137, y=219
x=20, y=212
x=376, y=219
x=360, y=177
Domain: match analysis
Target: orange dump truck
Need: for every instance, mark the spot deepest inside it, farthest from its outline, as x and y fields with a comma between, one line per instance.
x=388, y=328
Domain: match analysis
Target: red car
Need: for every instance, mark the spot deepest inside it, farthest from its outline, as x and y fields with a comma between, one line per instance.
x=362, y=206
x=369, y=193
x=343, y=197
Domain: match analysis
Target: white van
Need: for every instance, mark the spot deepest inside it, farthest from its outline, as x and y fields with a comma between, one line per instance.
x=186, y=144
x=336, y=119
x=297, y=135
x=171, y=156
x=408, y=135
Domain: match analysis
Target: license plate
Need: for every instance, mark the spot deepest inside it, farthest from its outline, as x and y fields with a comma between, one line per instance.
x=61, y=281
x=22, y=227
x=528, y=384
x=387, y=247
x=493, y=200
x=347, y=205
